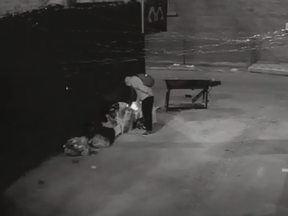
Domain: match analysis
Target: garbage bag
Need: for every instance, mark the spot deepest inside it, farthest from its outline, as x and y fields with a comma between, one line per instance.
x=77, y=146
x=99, y=141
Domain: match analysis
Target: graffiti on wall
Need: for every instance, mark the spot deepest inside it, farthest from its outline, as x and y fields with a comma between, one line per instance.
x=155, y=15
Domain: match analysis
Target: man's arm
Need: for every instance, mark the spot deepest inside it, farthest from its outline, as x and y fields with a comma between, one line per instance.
x=137, y=99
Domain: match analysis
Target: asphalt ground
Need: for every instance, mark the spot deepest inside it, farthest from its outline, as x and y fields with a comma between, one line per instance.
x=228, y=160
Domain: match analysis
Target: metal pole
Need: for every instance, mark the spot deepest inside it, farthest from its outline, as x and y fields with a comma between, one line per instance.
x=184, y=51
x=253, y=52
x=142, y=17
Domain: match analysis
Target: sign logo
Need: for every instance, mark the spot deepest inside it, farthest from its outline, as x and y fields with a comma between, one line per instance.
x=155, y=16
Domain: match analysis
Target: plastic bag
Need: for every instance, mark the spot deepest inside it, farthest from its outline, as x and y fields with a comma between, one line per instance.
x=98, y=141
x=77, y=146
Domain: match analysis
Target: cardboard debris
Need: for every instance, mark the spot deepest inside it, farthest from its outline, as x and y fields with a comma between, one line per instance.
x=121, y=117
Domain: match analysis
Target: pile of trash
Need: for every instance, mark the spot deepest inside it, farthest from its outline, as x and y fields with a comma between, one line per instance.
x=121, y=118
x=81, y=146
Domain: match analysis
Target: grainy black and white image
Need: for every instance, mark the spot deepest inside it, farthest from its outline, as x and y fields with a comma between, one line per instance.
x=144, y=108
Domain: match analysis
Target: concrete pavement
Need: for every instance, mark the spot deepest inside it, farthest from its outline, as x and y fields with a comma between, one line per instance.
x=224, y=161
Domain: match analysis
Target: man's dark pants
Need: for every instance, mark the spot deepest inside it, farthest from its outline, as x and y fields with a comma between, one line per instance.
x=147, y=108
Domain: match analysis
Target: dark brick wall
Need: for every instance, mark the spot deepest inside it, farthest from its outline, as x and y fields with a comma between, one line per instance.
x=214, y=23
x=45, y=51
x=32, y=99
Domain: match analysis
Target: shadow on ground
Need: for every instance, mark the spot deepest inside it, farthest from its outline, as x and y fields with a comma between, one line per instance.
x=282, y=209
x=281, y=205
x=158, y=126
x=7, y=204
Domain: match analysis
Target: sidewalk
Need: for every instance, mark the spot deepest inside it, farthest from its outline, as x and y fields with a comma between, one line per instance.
x=194, y=163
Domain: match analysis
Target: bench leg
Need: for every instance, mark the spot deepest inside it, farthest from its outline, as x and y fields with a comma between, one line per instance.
x=206, y=98
x=202, y=93
x=167, y=100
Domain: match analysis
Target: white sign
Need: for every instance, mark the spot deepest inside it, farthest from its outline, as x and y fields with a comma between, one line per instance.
x=154, y=15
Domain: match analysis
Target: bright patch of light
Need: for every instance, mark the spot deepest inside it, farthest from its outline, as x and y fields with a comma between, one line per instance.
x=134, y=106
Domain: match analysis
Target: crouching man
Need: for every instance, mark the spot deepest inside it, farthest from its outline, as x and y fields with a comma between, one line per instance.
x=146, y=97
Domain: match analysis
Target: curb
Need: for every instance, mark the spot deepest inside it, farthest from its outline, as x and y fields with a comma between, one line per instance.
x=176, y=66
x=269, y=68
x=194, y=67
x=271, y=73
x=171, y=68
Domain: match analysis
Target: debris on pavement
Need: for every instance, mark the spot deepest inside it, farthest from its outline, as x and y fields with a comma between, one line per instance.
x=190, y=66
x=285, y=170
x=75, y=161
x=40, y=182
x=120, y=119
x=234, y=69
x=93, y=167
x=77, y=146
x=228, y=150
x=81, y=146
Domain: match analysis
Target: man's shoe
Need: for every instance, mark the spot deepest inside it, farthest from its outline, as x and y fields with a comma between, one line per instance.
x=146, y=133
